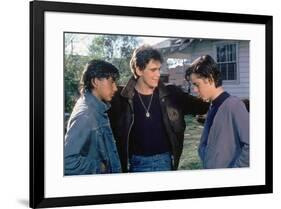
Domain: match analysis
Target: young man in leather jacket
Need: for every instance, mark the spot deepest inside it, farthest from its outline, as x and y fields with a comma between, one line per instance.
x=147, y=117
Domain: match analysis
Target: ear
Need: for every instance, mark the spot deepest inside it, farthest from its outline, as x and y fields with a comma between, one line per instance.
x=138, y=71
x=94, y=82
x=211, y=80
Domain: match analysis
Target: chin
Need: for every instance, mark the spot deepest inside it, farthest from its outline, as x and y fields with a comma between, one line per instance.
x=155, y=85
x=107, y=99
x=203, y=98
x=206, y=99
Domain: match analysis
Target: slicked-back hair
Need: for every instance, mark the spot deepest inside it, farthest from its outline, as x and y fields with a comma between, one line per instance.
x=205, y=67
x=142, y=56
x=97, y=69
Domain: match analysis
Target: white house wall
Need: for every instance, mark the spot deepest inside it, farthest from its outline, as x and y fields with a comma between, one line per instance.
x=241, y=89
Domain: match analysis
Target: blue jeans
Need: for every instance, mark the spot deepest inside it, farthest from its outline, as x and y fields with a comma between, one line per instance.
x=158, y=162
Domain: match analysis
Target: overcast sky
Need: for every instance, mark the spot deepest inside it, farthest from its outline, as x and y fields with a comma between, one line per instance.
x=82, y=41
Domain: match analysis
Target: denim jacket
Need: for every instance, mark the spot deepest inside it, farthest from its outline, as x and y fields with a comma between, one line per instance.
x=89, y=143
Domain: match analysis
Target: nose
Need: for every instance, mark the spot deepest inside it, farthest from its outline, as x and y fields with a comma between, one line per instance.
x=195, y=89
x=157, y=73
x=114, y=87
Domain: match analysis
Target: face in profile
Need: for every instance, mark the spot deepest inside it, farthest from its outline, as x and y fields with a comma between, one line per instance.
x=104, y=88
x=203, y=87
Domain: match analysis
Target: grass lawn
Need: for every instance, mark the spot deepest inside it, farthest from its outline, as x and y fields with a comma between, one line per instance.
x=190, y=159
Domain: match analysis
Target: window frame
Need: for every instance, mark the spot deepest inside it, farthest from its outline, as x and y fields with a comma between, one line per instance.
x=222, y=43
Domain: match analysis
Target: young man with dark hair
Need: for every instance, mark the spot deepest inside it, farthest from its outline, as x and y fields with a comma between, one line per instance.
x=225, y=139
x=89, y=144
x=147, y=117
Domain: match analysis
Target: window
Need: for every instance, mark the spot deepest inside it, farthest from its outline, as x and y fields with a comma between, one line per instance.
x=227, y=61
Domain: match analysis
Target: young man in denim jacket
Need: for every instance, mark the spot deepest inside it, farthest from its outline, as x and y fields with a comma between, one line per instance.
x=89, y=143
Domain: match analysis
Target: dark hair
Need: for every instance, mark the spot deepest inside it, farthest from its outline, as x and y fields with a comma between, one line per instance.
x=205, y=67
x=142, y=56
x=97, y=69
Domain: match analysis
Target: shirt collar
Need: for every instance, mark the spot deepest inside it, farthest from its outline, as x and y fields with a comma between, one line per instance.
x=220, y=99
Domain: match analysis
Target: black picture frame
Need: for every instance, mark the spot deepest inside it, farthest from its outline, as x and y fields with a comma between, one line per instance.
x=37, y=103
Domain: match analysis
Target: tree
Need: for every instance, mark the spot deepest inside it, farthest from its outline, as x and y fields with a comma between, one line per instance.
x=73, y=67
x=116, y=50
x=112, y=48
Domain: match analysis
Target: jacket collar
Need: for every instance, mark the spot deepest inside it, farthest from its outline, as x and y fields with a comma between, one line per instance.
x=163, y=90
x=128, y=90
x=96, y=103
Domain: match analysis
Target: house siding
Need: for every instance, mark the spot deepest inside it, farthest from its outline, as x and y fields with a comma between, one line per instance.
x=239, y=88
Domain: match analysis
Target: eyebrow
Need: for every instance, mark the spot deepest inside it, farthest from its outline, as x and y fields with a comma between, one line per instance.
x=155, y=68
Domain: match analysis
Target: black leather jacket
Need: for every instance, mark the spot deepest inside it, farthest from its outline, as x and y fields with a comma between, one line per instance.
x=174, y=105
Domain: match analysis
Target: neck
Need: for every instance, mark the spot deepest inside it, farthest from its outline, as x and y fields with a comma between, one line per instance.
x=217, y=92
x=142, y=88
x=94, y=93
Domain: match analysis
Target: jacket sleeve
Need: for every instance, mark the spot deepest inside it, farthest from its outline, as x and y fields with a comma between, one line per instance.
x=241, y=125
x=75, y=139
x=189, y=104
x=193, y=105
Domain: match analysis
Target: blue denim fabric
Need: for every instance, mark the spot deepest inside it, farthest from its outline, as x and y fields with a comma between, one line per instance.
x=89, y=143
x=158, y=162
